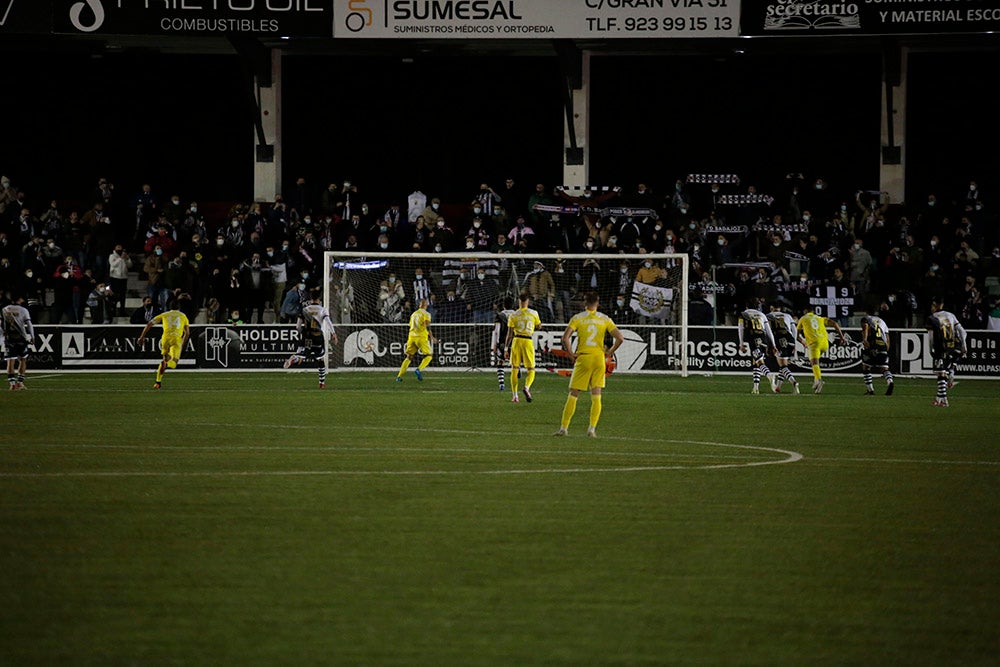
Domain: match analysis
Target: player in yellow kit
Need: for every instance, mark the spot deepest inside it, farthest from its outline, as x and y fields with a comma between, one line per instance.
x=176, y=331
x=520, y=345
x=590, y=360
x=418, y=340
x=813, y=334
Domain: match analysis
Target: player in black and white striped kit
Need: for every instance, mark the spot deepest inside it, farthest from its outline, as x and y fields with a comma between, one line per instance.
x=784, y=332
x=756, y=338
x=948, y=345
x=499, y=336
x=875, y=352
x=17, y=334
x=315, y=327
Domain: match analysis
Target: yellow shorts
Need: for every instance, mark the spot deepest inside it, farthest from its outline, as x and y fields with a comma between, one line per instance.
x=818, y=348
x=416, y=344
x=522, y=352
x=171, y=347
x=588, y=372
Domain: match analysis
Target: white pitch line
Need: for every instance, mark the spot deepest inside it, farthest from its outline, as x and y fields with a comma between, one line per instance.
x=790, y=457
x=920, y=461
x=349, y=449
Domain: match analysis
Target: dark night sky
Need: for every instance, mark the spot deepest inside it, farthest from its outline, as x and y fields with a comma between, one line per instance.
x=444, y=125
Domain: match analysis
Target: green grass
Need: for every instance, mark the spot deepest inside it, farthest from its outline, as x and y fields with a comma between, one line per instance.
x=250, y=519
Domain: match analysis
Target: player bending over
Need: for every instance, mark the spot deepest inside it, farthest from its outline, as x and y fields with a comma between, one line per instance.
x=948, y=345
x=875, y=352
x=756, y=338
x=783, y=329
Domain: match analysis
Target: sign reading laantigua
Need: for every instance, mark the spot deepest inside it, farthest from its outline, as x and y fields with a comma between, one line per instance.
x=299, y=18
x=551, y=19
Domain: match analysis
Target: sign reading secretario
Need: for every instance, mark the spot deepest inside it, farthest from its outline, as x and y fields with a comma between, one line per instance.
x=869, y=17
x=548, y=19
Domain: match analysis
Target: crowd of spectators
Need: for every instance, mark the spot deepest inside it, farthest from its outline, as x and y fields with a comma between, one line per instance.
x=242, y=260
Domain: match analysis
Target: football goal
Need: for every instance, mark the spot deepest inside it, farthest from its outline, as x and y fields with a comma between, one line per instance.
x=371, y=295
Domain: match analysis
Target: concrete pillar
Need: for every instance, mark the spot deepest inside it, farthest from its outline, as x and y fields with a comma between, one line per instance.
x=267, y=158
x=576, y=168
x=892, y=177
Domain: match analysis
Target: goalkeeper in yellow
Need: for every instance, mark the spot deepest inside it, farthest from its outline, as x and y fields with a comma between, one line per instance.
x=176, y=331
x=520, y=345
x=589, y=360
x=813, y=334
x=418, y=340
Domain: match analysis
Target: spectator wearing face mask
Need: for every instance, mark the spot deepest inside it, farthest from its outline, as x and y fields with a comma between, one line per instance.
x=155, y=268
x=164, y=241
x=432, y=212
x=422, y=286
x=276, y=261
x=722, y=251
x=119, y=264
x=173, y=210
x=442, y=236
x=452, y=309
x=487, y=200
x=595, y=224
x=621, y=311
x=933, y=283
x=391, y=297
x=650, y=272
x=32, y=286
x=52, y=255
x=521, y=231
x=481, y=295
x=540, y=197
x=481, y=232
x=67, y=290
x=382, y=235
x=295, y=300
x=862, y=265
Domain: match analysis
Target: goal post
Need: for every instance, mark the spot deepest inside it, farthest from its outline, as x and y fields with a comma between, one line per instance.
x=370, y=296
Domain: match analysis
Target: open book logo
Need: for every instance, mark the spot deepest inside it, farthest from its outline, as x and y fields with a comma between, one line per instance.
x=94, y=14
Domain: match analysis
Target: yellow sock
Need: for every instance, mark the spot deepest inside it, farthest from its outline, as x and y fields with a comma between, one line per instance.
x=403, y=367
x=816, y=373
x=425, y=362
x=515, y=376
x=595, y=409
x=159, y=372
x=568, y=410
x=530, y=379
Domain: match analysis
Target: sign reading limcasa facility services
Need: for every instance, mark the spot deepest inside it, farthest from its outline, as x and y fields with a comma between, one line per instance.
x=869, y=17
x=296, y=18
x=547, y=19
x=465, y=346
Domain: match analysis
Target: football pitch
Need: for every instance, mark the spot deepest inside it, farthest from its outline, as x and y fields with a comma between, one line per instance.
x=252, y=519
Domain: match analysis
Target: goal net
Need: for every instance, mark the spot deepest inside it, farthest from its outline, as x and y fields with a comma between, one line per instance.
x=371, y=295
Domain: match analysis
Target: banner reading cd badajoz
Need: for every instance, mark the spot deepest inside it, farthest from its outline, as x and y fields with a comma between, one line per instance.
x=287, y=18
x=551, y=19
